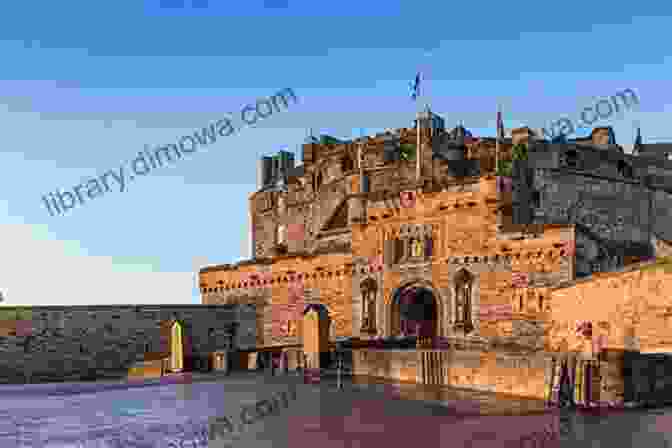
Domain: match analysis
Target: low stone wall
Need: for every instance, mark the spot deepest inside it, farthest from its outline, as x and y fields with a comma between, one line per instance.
x=56, y=343
x=496, y=372
x=401, y=365
x=630, y=310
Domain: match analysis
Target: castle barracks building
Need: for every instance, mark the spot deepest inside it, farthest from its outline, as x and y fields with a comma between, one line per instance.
x=551, y=280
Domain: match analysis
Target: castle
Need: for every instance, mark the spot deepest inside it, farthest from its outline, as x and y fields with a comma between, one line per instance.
x=544, y=279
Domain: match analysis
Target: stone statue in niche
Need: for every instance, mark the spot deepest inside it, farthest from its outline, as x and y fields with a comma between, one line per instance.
x=368, y=290
x=463, y=291
x=371, y=309
x=417, y=247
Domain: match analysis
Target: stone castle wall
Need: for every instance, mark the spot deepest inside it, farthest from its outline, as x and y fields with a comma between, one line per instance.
x=280, y=293
x=74, y=342
x=630, y=311
x=465, y=229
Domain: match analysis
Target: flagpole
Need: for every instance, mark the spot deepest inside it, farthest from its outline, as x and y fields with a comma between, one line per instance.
x=497, y=140
x=418, y=152
x=360, y=162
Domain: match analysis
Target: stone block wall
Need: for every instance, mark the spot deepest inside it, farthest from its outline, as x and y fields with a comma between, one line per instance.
x=61, y=342
x=615, y=209
x=629, y=310
x=281, y=292
x=394, y=364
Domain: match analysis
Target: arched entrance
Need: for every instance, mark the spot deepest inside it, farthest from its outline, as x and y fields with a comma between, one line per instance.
x=415, y=312
x=315, y=335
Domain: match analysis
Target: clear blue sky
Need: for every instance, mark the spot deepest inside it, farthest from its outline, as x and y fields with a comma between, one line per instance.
x=84, y=85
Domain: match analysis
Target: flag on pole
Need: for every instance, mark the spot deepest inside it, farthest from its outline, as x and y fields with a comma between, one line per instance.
x=360, y=160
x=415, y=87
x=500, y=135
x=469, y=138
x=500, y=126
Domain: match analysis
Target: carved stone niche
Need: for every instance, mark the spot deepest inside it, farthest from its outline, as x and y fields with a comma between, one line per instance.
x=414, y=244
x=368, y=290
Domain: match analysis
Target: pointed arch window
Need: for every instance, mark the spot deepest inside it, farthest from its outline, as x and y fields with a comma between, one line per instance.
x=464, y=282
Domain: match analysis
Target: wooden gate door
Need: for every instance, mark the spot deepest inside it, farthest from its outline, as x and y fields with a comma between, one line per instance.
x=311, y=338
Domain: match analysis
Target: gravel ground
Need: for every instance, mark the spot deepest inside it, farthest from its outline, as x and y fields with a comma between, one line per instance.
x=317, y=416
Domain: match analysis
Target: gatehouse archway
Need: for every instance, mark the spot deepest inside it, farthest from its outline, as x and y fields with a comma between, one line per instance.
x=415, y=310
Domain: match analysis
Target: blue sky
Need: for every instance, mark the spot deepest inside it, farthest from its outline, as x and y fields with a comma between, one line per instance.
x=85, y=85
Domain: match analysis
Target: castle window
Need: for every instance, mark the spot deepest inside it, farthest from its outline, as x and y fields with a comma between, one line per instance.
x=536, y=199
x=624, y=170
x=347, y=164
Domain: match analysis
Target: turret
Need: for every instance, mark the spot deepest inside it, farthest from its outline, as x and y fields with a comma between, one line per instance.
x=272, y=171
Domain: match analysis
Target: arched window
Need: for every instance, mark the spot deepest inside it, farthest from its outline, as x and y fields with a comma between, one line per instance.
x=463, y=299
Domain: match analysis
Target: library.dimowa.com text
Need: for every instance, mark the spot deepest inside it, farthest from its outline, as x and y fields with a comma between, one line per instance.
x=60, y=201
